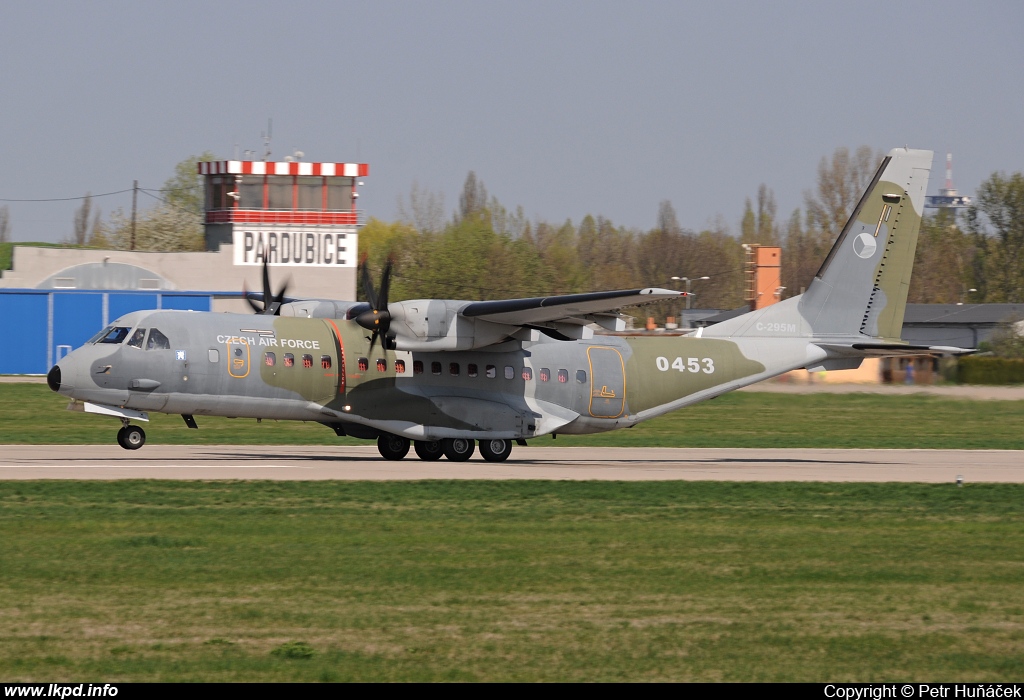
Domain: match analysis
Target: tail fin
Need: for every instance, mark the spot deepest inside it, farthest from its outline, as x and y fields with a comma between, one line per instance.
x=861, y=288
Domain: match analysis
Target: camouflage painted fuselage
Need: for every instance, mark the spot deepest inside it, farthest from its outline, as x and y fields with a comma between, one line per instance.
x=320, y=370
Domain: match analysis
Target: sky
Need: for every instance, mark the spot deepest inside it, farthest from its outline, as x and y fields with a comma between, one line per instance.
x=565, y=108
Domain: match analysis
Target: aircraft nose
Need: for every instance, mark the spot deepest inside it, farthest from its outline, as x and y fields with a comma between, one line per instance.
x=53, y=378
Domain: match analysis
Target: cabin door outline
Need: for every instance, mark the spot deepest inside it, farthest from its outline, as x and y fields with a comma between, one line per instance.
x=607, y=382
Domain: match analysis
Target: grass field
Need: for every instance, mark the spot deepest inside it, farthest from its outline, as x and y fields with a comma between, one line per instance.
x=32, y=414
x=524, y=581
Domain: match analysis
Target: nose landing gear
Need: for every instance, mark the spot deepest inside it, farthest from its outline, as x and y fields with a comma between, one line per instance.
x=131, y=437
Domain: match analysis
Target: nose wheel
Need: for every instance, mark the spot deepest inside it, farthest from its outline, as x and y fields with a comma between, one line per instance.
x=131, y=437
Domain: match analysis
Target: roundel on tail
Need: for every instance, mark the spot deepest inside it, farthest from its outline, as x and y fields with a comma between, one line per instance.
x=865, y=245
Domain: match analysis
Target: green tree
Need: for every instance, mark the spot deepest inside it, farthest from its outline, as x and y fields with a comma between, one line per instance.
x=5, y=224
x=943, y=264
x=185, y=188
x=997, y=221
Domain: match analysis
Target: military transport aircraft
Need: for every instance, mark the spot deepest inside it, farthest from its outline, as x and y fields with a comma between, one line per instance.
x=447, y=375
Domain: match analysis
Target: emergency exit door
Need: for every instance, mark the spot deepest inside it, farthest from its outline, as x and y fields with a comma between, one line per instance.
x=607, y=382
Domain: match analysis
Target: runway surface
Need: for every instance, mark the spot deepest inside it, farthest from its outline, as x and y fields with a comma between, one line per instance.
x=560, y=463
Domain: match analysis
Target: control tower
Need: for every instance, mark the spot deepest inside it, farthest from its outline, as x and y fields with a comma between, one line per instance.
x=292, y=214
x=948, y=197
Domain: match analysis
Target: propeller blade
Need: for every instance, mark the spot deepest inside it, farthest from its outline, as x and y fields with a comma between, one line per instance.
x=371, y=295
x=385, y=284
x=252, y=302
x=268, y=294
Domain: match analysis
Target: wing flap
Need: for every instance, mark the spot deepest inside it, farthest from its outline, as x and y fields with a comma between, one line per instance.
x=567, y=307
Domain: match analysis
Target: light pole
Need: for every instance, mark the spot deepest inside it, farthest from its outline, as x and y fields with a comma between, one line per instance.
x=688, y=281
x=964, y=295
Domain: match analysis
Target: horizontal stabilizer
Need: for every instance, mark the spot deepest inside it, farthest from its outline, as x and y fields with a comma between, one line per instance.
x=892, y=349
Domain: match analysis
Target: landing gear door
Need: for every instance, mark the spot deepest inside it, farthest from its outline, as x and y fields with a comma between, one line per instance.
x=607, y=382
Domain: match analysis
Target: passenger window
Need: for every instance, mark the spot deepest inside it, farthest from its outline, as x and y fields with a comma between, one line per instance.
x=453, y=369
x=400, y=367
x=563, y=375
x=435, y=368
x=270, y=359
x=137, y=337
x=545, y=374
x=382, y=365
x=510, y=372
x=527, y=373
x=116, y=336
x=364, y=364
x=307, y=361
x=471, y=370
x=157, y=341
x=491, y=371
x=289, y=360
x=581, y=376
x=325, y=361
x=417, y=367
x=214, y=355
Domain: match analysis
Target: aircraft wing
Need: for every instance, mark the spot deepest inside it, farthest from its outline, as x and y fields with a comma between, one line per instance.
x=568, y=308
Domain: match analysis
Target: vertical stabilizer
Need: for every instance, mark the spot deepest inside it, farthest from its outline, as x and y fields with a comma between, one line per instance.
x=860, y=291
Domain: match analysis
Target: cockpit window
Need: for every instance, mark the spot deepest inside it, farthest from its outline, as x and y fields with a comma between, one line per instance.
x=158, y=341
x=96, y=338
x=116, y=335
x=137, y=337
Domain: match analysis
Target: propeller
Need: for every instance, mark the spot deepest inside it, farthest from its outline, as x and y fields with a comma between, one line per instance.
x=377, y=319
x=271, y=303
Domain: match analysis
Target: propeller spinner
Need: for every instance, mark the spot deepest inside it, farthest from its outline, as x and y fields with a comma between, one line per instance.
x=377, y=319
x=271, y=303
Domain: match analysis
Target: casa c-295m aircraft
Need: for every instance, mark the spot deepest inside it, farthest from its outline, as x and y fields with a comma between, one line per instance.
x=447, y=375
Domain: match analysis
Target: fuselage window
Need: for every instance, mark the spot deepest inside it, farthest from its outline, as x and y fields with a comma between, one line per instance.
x=214, y=355
x=417, y=366
x=325, y=361
x=581, y=376
x=453, y=368
x=527, y=373
x=545, y=374
x=289, y=360
x=491, y=371
x=270, y=359
x=364, y=364
x=137, y=337
x=563, y=376
x=157, y=341
x=435, y=368
x=400, y=367
x=510, y=372
x=307, y=361
x=382, y=365
x=471, y=370
x=116, y=336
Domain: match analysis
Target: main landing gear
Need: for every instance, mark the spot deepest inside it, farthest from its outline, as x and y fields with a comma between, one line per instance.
x=131, y=437
x=395, y=447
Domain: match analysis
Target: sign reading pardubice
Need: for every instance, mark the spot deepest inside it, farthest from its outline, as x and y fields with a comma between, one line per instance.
x=302, y=247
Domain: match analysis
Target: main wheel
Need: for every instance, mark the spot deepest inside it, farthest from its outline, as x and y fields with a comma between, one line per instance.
x=458, y=449
x=392, y=446
x=133, y=437
x=429, y=450
x=495, y=450
x=120, y=438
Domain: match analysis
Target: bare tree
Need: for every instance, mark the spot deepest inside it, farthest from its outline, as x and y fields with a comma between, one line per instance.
x=5, y=224
x=85, y=219
x=473, y=199
x=425, y=211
